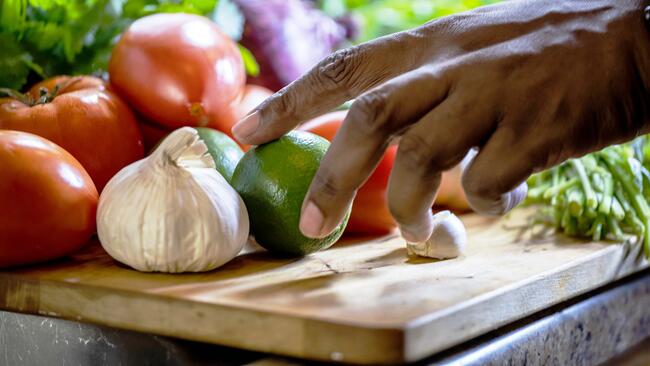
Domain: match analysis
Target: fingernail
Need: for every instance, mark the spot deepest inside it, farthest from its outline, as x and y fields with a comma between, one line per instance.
x=246, y=126
x=516, y=196
x=311, y=221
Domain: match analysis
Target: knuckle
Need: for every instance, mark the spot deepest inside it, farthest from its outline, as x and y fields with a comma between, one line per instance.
x=414, y=152
x=451, y=25
x=419, y=155
x=339, y=69
x=285, y=103
x=477, y=187
x=487, y=186
x=326, y=186
x=280, y=105
x=372, y=102
x=491, y=197
x=368, y=114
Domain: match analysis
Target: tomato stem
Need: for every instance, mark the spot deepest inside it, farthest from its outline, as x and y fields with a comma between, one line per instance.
x=44, y=95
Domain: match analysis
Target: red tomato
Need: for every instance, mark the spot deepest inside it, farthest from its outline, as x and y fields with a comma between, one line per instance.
x=179, y=70
x=48, y=200
x=152, y=134
x=90, y=122
x=370, y=214
x=253, y=96
x=451, y=193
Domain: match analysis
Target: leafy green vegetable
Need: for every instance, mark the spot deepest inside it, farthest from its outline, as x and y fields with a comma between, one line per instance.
x=54, y=36
x=381, y=17
x=601, y=195
x=134, y=9
x=14, y=59
x=252, y=68
x=43, y=38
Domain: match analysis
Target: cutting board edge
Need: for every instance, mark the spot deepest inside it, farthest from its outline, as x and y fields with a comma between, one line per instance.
x=620, y=267
x=386, y=342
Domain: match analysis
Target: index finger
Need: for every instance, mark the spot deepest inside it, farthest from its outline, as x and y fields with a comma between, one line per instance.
x=338, y=78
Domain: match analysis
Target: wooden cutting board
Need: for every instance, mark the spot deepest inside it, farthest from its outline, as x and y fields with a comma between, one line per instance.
x=360, y=302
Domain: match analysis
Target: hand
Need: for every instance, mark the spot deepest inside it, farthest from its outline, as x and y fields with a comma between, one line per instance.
x=529, y=83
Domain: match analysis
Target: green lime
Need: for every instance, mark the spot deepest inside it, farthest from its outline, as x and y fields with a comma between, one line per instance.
x=224, y=150
x=273, y=180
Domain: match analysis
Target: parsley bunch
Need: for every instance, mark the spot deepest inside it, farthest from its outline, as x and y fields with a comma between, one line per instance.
x=43, y=38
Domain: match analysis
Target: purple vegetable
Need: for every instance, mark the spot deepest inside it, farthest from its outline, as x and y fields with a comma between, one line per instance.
x=288, y=37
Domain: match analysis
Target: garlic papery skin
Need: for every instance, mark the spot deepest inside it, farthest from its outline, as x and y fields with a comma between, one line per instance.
x=172, y=211
x=448, y=239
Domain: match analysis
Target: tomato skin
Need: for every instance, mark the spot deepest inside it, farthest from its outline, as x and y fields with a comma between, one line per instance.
x=87, y=120
x=48, y=200
x=451, y=194
x=370, y=214
x=151, y=134
x=179, y=70
x=253, y=96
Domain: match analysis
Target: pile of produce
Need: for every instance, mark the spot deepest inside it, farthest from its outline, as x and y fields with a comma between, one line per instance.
x=603, y=195
x=88, y=89
x=189, y=73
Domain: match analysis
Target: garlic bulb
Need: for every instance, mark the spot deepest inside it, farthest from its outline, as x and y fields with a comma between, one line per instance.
x=172, y=211
x=447, y=240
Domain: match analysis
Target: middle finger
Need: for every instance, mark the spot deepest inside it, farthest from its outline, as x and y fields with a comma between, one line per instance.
x=438, y=142
x=360, y=143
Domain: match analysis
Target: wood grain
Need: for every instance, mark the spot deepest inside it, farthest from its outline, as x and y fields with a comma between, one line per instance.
x=361, y=301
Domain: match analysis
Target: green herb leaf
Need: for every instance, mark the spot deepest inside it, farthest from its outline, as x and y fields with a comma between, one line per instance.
x=15, y=63
x=252, y=68
x=381, y=17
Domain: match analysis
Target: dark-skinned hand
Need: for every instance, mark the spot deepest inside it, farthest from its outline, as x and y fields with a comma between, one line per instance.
x=527, y=83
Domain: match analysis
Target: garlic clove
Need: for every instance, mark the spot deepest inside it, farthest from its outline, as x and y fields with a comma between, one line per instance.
x=448, y=238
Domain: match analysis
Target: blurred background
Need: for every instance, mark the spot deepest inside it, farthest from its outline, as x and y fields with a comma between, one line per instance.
x=279, y=39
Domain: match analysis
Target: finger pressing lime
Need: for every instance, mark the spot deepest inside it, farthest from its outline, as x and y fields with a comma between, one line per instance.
x=273, y=180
